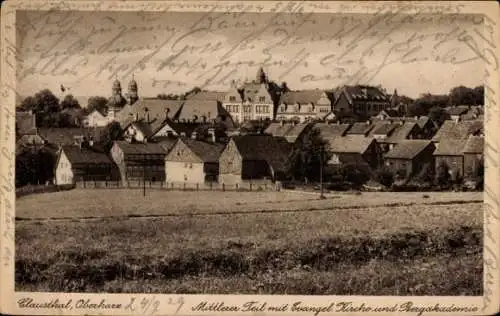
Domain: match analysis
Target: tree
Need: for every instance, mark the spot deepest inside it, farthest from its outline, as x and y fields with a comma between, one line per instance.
x=70, y=102
x=34, y=165
x=112, y=132
x=438, y=115
x=479, y=95
x=355, y=174
x=45, y=105
x=385, y=177
x=443, y=174
x=98, y=103
x=308, y=156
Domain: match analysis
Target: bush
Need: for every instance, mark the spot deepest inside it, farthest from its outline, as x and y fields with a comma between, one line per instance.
x=443, y=175
x=385, y=177
x=355, y=174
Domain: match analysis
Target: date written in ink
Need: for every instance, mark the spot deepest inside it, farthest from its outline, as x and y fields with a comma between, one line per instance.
x=151, y=305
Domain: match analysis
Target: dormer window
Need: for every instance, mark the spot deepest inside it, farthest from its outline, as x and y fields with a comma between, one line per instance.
x=262, y=99
x=232, y=98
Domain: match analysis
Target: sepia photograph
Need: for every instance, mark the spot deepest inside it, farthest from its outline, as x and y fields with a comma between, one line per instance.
x=250, y=149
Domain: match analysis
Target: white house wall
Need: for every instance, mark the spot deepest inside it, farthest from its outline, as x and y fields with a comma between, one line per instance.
x=64, y=173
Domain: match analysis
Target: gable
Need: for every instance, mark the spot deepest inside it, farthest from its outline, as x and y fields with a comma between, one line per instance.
x=96, y=115
x=263, y=93
x=232, y=96
x=133, y=131
x=182, y=153
x=165, y=130
x=324, y=99
x=63, y=161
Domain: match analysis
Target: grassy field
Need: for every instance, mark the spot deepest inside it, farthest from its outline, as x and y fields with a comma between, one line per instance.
x=91, y=203
x=371, y=244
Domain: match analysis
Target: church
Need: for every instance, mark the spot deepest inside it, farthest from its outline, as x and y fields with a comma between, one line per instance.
x=115, y=104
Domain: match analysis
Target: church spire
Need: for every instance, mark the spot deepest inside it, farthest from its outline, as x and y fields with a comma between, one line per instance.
x=261, y=76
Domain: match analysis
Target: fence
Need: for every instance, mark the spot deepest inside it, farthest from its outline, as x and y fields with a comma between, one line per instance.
x=181, y=186
x=36, y=189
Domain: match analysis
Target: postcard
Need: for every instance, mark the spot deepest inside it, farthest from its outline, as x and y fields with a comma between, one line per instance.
x=305, y=158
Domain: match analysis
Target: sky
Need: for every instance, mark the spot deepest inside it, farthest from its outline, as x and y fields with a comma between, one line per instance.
x=172, y=52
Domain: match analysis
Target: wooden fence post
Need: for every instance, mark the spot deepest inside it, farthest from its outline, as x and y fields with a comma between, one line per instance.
x=223, y=187
x=197, y=186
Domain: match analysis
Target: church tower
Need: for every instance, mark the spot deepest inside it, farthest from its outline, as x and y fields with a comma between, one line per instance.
x=261, y=76
x=394, y=99
x=116, y=101
x=132, y=93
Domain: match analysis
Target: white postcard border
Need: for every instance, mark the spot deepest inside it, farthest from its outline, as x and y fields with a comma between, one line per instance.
x=159, y=304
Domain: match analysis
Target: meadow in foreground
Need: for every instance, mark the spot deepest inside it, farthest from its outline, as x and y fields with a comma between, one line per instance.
x=398, y=250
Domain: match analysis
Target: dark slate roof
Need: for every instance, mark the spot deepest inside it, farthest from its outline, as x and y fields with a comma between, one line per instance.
x=422, y=121
x=301, y=97
x=349, y=144
x=403, y=132
x=200, y=111
x=458, y=130
x=408, y=149
x=157, y=110
x=166, y=142
x=143, y=127
x=290, y=131
x=457, y=110
x=377, y=124
x=450, y=147
x=274, y=150
x=208, y=95
x=250, y=89
x=474, y=145
x=296, y=130
x=26, y=122
x=330, y=130
x=278, y=129
x=142, y=148
x=208, y=152
x=359, y=128
x=385, y=129
x=84, y=156
x=364, y=93
x=179, y=127
x=66, y=136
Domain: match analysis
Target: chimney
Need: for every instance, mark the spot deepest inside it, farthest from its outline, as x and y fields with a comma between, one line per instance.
x=194, y=135
x=211, y=133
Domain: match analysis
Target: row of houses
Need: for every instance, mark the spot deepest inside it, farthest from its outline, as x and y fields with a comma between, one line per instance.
x=259, y=99
x=245, y=158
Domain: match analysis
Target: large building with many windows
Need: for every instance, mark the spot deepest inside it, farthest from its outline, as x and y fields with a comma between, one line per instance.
x=253, y=100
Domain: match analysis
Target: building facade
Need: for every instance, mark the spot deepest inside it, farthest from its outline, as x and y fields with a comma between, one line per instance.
x=304, y=105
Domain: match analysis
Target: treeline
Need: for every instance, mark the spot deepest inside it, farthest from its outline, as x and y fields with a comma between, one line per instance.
x=52, y=112
x=460, y=95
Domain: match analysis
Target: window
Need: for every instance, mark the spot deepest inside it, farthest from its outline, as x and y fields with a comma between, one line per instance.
x=232, y=98
x=185, y=165
x=190, y=166
x=262, y=99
